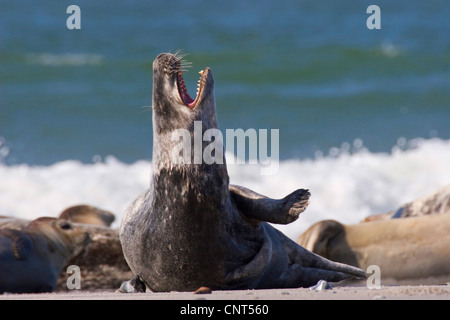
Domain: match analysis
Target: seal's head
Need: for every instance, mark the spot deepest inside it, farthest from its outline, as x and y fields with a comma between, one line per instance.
x=88, y=214
x=172, y=105
x=178, y=118
x=58, y=237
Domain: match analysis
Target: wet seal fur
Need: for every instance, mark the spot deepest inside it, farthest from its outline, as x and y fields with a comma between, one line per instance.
x=192, y=229
x=33, y=258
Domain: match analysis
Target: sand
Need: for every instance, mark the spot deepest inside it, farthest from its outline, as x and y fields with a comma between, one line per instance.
x=401, y=292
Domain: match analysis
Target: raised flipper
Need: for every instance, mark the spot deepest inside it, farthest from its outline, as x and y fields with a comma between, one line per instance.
x=256, y=206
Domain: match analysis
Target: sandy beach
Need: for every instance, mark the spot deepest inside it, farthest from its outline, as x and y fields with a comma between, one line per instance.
x=267, y=304
x=401, y=292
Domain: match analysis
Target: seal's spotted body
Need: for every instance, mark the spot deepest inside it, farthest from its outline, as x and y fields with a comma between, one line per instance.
x=192, y=229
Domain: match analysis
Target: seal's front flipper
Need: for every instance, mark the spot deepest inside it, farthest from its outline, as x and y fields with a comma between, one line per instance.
x=21, y=244
x=296, y=202
x=256, y=206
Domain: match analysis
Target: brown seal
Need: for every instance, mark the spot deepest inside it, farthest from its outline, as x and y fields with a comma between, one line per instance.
x=101, y=263
x=88, y=214
x=192, y=229
x=411, y=250
x=32, y=258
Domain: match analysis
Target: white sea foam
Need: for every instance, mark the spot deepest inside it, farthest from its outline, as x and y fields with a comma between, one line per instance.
x=346, y=185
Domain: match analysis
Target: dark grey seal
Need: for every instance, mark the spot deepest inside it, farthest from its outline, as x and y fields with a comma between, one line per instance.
x=192, y=229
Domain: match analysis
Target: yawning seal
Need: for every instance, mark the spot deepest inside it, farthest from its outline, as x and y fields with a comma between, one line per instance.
x=192, y=229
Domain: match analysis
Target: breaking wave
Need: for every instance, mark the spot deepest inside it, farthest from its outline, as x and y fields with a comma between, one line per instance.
x=347, y=184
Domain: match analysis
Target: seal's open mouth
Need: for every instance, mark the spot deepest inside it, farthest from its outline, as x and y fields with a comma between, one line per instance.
x=184, y=95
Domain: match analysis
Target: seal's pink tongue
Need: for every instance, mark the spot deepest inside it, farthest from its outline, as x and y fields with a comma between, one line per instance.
x=188, y=101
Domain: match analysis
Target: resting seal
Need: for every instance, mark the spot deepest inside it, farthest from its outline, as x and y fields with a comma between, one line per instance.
x=88, y=214
x=192, y=229
x=437, y=202
x=409, y=251
x=33, y=258
x=13, y=223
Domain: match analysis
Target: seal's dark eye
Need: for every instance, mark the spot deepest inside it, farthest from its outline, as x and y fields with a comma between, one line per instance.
x=65, y=226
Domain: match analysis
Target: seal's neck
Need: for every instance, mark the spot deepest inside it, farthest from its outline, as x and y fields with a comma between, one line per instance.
x=189, y=168
x=190, y=140
x=195, y=190
x=188, y=162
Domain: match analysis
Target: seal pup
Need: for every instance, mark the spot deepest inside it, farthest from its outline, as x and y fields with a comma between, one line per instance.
x=191, y=229
x=33, y=258
x=88, y=214
x=410, y=251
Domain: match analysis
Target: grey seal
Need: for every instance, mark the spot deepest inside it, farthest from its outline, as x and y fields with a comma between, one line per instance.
x=437, y=202
x=192, y=229
x=33, y=258
x=88, y=214
x=101, y=263
x=414, y=250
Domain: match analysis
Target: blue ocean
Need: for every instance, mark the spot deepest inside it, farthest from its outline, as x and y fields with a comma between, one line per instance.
x=363, y=114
